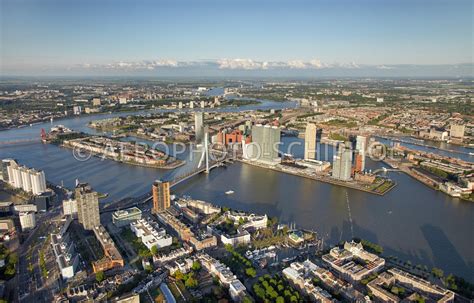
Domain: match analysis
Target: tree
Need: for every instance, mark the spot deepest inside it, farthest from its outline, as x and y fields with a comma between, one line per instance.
x=154, y=250
x=251, y=272
x=260, y=292
x=246, y=299
x=229, y=248
x=196, y=266
x=191, y=282
x=144, y=252
x=178, y=275
x=100, y=276
x=13, y=258
x=437, y=272
x=280, y=300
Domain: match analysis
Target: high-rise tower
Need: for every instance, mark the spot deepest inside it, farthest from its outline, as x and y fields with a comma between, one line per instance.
x=88, y=213
x=310, y=142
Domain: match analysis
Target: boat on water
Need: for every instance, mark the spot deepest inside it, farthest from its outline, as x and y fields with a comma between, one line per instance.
x=471, y=154
x=103, y=195
x=229, y=192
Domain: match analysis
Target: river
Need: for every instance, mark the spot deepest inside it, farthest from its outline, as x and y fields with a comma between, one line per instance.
x=412, y=221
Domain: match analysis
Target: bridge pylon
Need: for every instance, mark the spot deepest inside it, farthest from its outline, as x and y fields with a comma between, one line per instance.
x=205, y=152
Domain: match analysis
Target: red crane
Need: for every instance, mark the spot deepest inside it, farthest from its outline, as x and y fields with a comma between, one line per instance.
x=43, y=135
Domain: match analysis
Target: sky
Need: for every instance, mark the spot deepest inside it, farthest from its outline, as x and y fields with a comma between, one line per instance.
x=229, y=37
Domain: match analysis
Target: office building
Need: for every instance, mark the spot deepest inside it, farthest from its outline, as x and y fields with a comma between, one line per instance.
x=151, y=234
x=23, y=208
x=353, y=262
x=64, y=250
x=27, y=179
x=70, y=208
x=310, y=142
x=264, y=147
x=27, y=220
x=7, y=225
x=14, y=174
x=96, y=101
x=457, y=131
x=112, y=257
x=361, y=143
x=183, y=230
x=361, y=148
x=38, y=181
x=342, y=163
x=413, y=287
x=161, y=196
x=359, y=162
x=122, y=218
x=77, y=110
x=199, y=126
x=44, y=200
x=123, y=100
x=87, y=206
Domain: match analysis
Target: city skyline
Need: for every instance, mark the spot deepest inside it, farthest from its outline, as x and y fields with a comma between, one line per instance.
x=237, y=38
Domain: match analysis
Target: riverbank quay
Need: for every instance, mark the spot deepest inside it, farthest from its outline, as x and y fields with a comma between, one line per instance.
x=418, y=174
x=368, y=188
x=123, y=152
x=422, y=144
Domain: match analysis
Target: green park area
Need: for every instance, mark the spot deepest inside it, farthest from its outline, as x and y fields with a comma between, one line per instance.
x=275, y=289
x=239, y=264
x=11, y=259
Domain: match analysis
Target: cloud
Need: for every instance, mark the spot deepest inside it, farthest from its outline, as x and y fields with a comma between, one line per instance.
x=223, y=64
x=298, y=64
x=247, y=64
x=131, y=65
x=350, y=65
x=384, y=67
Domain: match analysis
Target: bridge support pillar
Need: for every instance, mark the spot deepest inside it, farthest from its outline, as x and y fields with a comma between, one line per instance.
x=206, y=150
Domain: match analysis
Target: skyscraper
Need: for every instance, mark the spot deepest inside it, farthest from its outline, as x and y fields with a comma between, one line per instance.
x=161, y=196
x=342, y=163
x=361, y=147
x=38, y=181
x=361, y=143
x=199, y=126
x=14, y=174
x=25, y=178
x=28, y=179
x=88, y=213
x=265, y=140
x=359, y=162
x=310, y=142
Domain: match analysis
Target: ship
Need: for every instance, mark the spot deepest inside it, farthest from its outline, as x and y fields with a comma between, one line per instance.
x=229, y=192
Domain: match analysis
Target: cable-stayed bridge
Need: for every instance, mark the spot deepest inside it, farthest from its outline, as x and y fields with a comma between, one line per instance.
x=201, y=160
